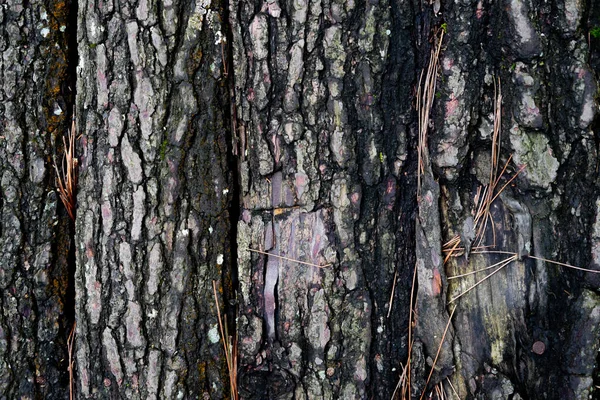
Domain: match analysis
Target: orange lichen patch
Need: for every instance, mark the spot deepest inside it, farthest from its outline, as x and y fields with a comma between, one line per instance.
x=60, y=10
x=202, y=371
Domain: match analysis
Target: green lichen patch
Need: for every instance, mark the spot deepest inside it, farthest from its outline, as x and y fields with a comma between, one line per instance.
x=533, y=150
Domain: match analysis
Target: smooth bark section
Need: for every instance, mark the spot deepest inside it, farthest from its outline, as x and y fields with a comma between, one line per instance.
x=34, y=230
x=153, y=227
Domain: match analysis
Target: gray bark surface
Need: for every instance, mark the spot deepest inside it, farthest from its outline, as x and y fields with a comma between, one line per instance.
x=34, y=229
x=540, y=53
x=271, y=147
x=152, y=229
x=324, y=96
x=323, y=106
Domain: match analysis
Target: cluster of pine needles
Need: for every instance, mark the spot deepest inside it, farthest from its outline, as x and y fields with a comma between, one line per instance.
x=66, y=185
x=66, y=176
x=482, y=220
x=229, y=347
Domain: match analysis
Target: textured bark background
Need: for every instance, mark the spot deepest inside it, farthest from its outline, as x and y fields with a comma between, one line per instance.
x=35, y=98
x=325, y=95
x=324, y=110
x=226, y=141
x=153, y=229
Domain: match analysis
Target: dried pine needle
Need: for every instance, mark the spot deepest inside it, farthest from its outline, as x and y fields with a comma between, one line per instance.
x=290, y=259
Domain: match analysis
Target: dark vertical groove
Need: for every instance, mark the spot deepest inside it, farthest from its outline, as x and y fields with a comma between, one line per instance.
x=233, y=166
x=71, y=81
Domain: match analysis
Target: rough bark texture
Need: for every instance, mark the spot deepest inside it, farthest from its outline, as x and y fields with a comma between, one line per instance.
x=540, y=54
x=271, y=146
x=324, y=92
x=323, y=103
x=34, y=229
x=153, y=229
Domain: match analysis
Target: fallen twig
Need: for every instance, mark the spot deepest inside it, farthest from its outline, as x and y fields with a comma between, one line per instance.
x=425, y=97
x=70, y=347
x=503, y=264
x=392, y=294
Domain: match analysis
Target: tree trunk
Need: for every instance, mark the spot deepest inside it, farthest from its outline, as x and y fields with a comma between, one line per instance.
x=36, y=313
x=532, y=329
x=153, y=225
x=324, y=111
x=298, y=156
x=324, y=99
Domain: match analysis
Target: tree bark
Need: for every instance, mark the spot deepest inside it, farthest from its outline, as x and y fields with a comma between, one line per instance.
x=35, y=313
x=533, y=322
x=326, y=121
x=323, y=105
x=153, y=226
x=275, y=148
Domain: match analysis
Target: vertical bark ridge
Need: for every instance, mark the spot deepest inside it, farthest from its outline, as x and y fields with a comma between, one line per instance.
x=153, y=223
x=321, y=168
x=34, y=229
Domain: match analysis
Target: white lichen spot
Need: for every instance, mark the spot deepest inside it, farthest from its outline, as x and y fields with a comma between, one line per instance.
x=497, y=350
x=210, y=230
x=225, y=191
x=388, y=32
x=57, y=110
x=220, y=38
x=213, y=334
x=379, y=329
x=63, y=28
x=220, y=259
x=45, y=32
x=196, y=19
x=153, y=313
x=379, y=362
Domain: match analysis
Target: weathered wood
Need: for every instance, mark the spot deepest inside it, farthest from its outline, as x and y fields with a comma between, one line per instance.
x=34, y=234
x=323, y=153
x=540, y=55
